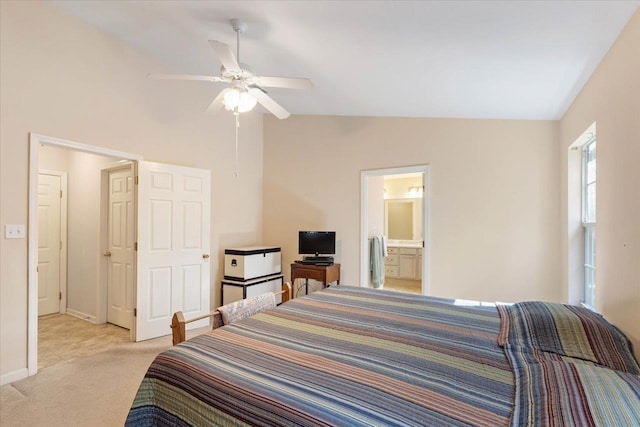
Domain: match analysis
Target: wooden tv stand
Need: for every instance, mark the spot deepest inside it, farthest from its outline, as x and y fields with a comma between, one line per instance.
x=322, y=273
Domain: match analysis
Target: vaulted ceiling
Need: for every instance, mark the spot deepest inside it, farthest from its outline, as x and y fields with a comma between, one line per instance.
x=471, y=59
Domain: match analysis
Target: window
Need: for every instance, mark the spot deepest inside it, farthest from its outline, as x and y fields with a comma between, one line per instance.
x=589, y=221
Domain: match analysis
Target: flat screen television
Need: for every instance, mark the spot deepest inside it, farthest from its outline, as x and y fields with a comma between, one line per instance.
x=317, y=243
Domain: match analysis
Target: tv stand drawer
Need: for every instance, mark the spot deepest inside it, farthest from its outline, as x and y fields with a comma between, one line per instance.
x=311, y=273
x=325, y=274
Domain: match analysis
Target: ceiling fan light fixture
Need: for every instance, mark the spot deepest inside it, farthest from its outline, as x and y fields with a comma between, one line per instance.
x=238, y=99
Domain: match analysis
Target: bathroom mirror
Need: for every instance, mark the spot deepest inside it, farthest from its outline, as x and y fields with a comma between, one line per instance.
x=403, y=219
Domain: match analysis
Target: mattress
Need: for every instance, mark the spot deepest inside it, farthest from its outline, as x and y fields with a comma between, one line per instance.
x=349, y=356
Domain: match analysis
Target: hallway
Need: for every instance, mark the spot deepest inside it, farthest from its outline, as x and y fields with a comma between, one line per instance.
x=62, y=337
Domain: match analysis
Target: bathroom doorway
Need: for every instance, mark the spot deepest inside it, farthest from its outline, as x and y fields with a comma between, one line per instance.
x=394, y=204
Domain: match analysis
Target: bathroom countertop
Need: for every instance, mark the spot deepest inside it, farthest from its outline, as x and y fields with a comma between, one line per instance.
x=404, y=245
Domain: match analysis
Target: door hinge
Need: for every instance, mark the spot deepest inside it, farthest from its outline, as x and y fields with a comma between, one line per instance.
x=136, y=180
x=135, y=246
x=60, y=296
x=61, y=244
x=61, y=194
x=135, y=312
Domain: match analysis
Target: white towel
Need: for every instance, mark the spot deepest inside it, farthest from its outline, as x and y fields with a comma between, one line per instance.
x=376, y=262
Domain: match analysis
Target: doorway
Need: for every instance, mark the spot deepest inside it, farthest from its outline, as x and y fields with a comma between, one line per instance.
x=395, y=204
x=171, y=271
x=66, y=332
x=87, y=270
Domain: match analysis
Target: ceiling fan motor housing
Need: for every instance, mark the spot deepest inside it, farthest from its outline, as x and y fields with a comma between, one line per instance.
x=242, y=73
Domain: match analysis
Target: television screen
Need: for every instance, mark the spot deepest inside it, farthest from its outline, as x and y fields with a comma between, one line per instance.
x=317, y=242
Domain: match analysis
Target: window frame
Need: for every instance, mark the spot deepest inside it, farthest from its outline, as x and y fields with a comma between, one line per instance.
x=589, y=226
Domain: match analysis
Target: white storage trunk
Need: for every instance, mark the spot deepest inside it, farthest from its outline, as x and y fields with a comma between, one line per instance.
x=242, y=264
x=235, y=291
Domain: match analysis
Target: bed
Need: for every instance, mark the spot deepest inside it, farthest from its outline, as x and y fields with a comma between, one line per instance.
x=348, y=356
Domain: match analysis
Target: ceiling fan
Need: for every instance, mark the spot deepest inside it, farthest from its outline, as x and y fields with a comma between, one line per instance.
x=246, y=88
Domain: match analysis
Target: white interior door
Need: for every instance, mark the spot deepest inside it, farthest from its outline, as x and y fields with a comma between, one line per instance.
x=120, y=283
x=174, y=205
x=49, y=243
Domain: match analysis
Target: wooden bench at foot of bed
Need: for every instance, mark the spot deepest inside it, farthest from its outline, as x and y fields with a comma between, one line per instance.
x=178, y=323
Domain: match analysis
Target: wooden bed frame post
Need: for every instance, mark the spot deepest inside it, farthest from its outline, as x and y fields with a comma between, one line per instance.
x=178, y=328
x=178, y=323
x=286, y=292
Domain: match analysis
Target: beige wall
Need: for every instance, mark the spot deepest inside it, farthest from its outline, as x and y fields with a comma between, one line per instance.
x=61, y=78
x=398, y=188
x=611, y=98
x=375, y=206
x=84, y=255
x=375, y=212
x=495, y=214
x=53, y=159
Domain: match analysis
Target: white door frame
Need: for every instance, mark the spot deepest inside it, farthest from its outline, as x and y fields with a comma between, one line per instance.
x=364, y=220
x=35, y=140
x=103, y=288
x=63, y=235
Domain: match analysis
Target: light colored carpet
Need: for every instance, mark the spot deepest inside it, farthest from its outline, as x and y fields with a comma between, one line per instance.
x=62, y=337
x=95, y=390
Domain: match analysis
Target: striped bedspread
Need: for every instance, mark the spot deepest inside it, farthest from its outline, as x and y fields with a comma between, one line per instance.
x=571, y=366
x=554, y=390
x=343, y=356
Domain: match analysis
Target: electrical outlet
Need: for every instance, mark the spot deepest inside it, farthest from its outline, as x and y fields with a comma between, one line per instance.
x=12, y=231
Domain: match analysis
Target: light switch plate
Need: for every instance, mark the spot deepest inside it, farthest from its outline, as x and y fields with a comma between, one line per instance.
x=13, y=231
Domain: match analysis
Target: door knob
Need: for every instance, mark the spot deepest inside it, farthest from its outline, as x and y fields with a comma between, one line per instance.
x=205, y=256
x=107, y=253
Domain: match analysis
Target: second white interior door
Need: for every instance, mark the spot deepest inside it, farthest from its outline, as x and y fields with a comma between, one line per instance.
x=49, y=243
x=120, y=272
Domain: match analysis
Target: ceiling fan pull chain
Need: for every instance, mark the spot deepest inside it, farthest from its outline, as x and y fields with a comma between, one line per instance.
x=238, y=46
x=237, y=128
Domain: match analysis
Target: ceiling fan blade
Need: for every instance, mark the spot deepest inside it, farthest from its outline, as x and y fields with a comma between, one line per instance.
x=285, y=82
x=225, y=54
x=216, y=104
x=268, y=103
x=185, y=77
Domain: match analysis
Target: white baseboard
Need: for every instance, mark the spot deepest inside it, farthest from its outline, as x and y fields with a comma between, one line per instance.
x=14, y=376
x=81, y=315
